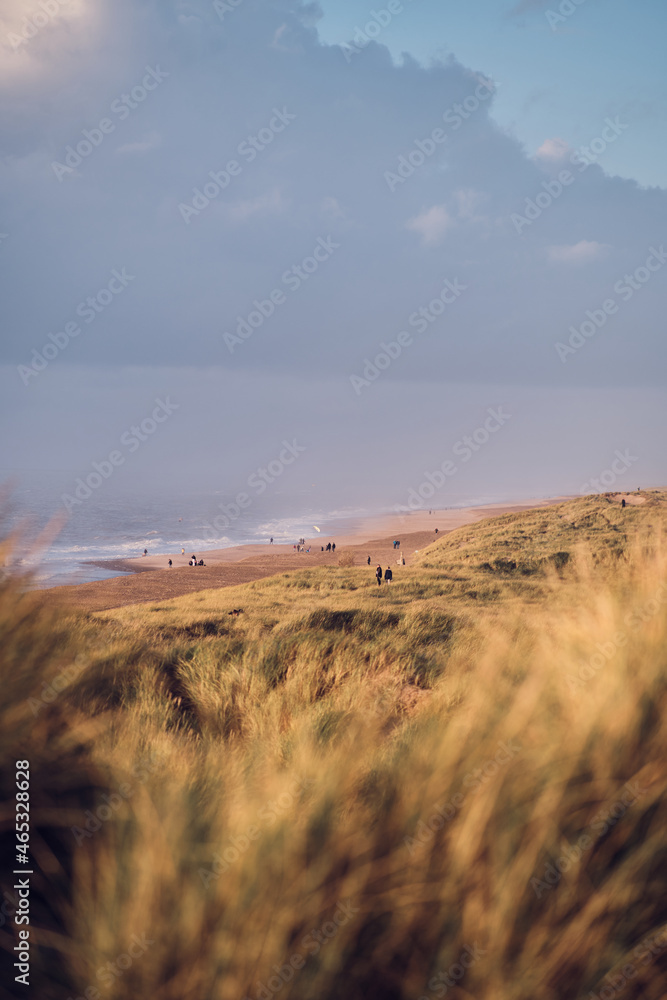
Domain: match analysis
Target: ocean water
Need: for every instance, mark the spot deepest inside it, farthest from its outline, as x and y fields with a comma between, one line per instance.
x=59, y=548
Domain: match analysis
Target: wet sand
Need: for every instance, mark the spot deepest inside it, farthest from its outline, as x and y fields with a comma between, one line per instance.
x=150, y=578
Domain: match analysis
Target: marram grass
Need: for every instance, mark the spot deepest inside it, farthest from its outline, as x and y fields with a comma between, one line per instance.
x=455, y=787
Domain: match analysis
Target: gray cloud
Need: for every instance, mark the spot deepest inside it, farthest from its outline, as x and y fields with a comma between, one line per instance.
x=322, y=177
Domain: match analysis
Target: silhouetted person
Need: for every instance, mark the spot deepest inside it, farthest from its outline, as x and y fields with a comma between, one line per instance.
x=170, y=564
x=388, y=575
x=145, y=552
x=333, y=547
x=622, y=503
x=369, y=560
x=378, y=574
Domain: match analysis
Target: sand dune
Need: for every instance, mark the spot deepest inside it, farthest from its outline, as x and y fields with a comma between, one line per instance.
x=151, y=578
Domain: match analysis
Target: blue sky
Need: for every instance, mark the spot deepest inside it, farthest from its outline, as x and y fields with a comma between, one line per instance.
x=606, y=58
x=230, y=211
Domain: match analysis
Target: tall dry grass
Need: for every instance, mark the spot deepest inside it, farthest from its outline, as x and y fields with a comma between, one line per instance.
x=300, y=814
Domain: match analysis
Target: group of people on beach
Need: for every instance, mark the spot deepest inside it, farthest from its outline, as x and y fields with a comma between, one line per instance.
x=388, y=575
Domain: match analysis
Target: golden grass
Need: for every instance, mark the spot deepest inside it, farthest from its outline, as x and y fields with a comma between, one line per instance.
x=352, y=791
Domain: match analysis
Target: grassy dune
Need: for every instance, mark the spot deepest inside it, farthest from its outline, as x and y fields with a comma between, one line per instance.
x=453, y=786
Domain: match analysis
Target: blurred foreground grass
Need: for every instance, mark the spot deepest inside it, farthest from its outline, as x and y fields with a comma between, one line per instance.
x=451, y=786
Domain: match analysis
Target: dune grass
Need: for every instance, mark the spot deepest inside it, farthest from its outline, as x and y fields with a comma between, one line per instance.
x=453, y=786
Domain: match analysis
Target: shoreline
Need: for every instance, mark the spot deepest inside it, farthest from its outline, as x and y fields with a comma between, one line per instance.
x=148, y=579
x=368, y=529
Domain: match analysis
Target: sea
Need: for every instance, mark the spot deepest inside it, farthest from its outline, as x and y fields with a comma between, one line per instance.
x=60, y=547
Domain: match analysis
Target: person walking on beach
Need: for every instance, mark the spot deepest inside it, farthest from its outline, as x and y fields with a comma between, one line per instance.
x=270, y=541
x=170, y=564
x=378, y=574
x=369, y=560
x=623, y=503
x=182, y=552
x=388, y=575
x=333, y=547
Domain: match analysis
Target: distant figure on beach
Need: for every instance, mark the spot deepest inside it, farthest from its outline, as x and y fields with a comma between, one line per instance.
x=201, y=562
x=369, y=560
x=333, y=547
x=328, y=546
x=378, y=574
x=182, y=552
x=194, y=558
x=401, y=561
x=270, y=541
x=145, y=552
x=623, y=503
x=388, y=575
x=170, y=564
x=436, y=531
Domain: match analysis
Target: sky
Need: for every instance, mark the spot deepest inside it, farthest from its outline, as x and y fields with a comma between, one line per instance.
x=374, y=233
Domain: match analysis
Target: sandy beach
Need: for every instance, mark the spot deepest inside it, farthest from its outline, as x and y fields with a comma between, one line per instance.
x=151, y=579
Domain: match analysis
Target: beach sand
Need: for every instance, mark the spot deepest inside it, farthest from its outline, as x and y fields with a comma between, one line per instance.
x=151, y=579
